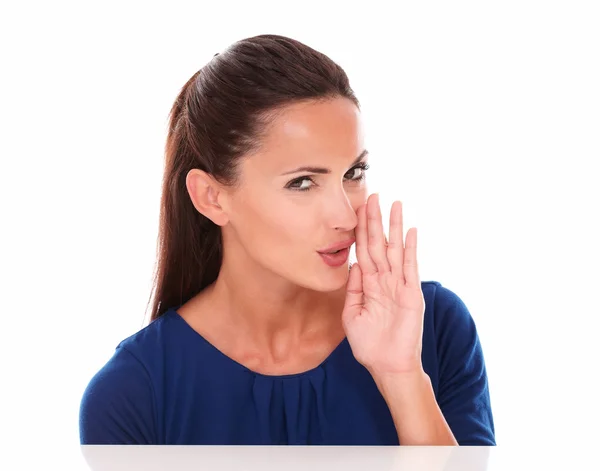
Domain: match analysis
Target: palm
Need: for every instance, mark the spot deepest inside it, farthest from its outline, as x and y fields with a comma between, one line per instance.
x=383, y=314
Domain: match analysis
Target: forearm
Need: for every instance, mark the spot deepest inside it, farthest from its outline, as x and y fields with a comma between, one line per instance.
x=416, y=414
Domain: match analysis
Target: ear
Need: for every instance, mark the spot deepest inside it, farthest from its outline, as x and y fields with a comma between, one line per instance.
x=206, y=195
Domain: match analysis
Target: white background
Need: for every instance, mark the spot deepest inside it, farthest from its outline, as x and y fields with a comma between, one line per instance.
x=482, y=117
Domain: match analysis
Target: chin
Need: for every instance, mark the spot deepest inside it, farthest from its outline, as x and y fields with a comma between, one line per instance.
x=331, y=279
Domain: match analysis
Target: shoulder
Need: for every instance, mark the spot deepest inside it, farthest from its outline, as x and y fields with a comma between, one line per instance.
x=119, y=402
x=138, y=355
x=118, y=405
x=152, y=334
x=440, y=297
x=445, y=309
x=123, y=374
x=450, y=330
x=461, y=375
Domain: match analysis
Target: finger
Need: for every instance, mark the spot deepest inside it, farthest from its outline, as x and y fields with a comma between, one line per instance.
x=411, y=269
x=377, y=247
x=367, y=265
x=354, y=295
x=395, y=250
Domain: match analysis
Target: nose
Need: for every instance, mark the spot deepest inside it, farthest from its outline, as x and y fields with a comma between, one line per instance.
x=342, y=213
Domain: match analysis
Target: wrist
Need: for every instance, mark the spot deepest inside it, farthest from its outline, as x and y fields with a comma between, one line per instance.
x=414, y=409
x=409, y=384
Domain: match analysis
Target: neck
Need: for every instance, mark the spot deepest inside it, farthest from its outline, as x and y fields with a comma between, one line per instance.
x=270, y=310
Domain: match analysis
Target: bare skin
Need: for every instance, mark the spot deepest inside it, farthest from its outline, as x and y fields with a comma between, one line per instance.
x=276, y=307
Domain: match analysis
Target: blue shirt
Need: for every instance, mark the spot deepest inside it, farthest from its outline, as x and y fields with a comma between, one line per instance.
x=166, y=384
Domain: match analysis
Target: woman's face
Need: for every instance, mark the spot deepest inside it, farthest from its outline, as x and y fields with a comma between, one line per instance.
x=282, y=216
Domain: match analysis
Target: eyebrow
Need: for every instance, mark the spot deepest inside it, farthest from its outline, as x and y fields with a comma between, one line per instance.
x=323, y=170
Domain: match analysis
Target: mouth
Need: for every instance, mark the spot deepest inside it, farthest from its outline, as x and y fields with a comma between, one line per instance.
x=336, y=255
x=338, y=247
x=336, y=258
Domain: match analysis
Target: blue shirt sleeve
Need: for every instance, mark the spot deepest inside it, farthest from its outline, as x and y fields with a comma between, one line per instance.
x=463, y=393
x=118, y=406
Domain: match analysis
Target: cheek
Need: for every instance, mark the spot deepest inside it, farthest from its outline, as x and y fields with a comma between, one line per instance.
x=273, y=223
x=287, y=223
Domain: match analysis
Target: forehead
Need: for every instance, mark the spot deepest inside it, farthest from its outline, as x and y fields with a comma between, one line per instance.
x=312, y=133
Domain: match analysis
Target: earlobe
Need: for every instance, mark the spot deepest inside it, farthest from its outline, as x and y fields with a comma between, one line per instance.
x=204, y=193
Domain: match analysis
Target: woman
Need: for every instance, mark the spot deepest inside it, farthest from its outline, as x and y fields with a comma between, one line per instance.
x=260, y=333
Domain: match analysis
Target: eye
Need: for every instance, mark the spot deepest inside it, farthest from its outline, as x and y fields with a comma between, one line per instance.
x=357, y=173
x=298, y=181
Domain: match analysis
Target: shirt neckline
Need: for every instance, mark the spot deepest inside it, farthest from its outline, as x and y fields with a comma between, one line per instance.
x=172, y=313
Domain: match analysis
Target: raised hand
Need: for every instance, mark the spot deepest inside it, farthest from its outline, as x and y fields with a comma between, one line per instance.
x=384, y=307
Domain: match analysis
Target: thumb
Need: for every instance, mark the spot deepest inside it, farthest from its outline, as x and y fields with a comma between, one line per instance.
x=354, y=294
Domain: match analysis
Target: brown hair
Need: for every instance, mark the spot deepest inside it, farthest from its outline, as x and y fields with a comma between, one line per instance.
x=218, y=117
